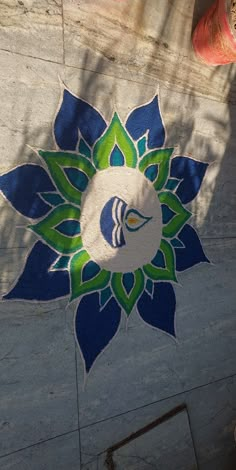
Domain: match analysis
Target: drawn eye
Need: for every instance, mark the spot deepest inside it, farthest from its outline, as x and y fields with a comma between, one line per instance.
x=134, y=220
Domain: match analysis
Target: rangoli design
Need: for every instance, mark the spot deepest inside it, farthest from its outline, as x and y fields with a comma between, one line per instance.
x=108, y=208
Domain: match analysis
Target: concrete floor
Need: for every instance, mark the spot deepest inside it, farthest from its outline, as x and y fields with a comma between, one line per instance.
x=117, y=54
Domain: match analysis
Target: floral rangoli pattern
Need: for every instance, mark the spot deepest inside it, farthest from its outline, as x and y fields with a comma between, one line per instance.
x=109, y=211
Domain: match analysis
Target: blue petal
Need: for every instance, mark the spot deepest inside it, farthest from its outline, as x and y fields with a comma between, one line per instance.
x=192, y=253
x=36, y=282
x=21, y=187
x=77, y=115
x=147, y=118
x=94, y=328
x=192, y=173
x=159, y=311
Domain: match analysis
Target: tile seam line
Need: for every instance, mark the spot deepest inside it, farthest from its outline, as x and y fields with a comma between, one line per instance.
x=115, y=416
x=78, y=68
x=38, y=443
x=159, y=401
x=166, y=84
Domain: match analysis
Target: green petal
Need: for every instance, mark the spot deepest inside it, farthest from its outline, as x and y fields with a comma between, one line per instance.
x=127, y=301
x=161, y=158
x=57, y=162
x=80, y=287
x=114, y=135
x=168, y=272
x=177, y=221
x=46, y=229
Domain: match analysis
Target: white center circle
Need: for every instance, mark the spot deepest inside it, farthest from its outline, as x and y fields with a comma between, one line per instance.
x=137, y=193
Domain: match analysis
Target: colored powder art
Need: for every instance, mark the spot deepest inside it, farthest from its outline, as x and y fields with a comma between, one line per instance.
x=109, y=211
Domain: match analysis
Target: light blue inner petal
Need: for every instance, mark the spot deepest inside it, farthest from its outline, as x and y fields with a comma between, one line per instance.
x=52, y=198
x=167, y=214
x=84, y=149
x=151, y=172
x=149, y=286
x=69, y=228
x=106, y=294
x=176, y=243
x=172, y=183
x=128, y=282
x=159, y=260
x=117, y=157
x=62, y=263
x=77, y=178
x=142, y=146
x=90, y=270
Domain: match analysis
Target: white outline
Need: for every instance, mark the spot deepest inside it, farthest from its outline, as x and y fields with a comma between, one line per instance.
x=63, y=87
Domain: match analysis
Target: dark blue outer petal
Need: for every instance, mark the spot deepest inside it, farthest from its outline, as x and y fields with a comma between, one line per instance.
x=21, y=185
x=159, y=311
x=77, y=115
x=36, y=283
x=192, y=173
x=192, y=253
x=147, y=118
x=94, y=328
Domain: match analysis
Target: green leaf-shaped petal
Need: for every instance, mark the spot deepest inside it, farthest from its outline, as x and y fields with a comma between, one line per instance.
x=80, y=286
x=46, y=229
x=127, y=300
x=58, y=163
x=182, y=215
x=114, y=135
x=166, y=273
x=161, y=158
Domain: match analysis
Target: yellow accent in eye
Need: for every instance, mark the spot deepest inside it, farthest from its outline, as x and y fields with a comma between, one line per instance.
x=132, y=220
